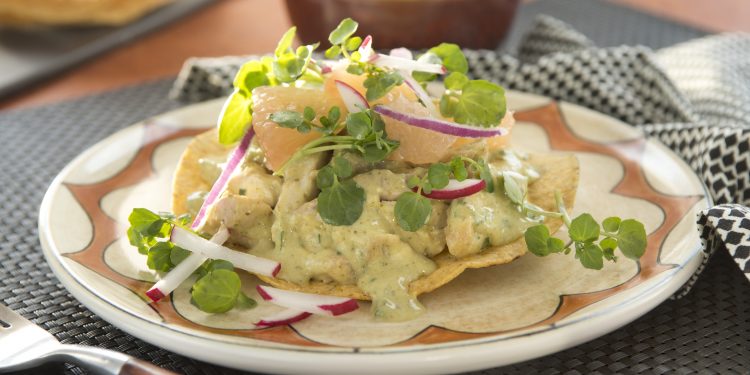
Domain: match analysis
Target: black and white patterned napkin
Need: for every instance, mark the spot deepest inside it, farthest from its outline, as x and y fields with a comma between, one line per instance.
x=694, y=97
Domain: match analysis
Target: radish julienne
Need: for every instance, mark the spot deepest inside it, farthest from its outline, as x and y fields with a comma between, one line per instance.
x=282, y=318
x=353, y=100
x=182, y=271
x=457, y=189
x=312, y=303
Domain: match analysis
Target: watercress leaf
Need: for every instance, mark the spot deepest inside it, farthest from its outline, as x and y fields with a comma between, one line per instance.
x=325, y=177
x=590, y=256
x=251, y=75
x=342, y=203
x=455, y=81
x=537, y=240
x=427, y=187
x=438, y=175
x=373, y=154
x=220, y=264
x=459, y=169
x=353, y=43
x=608, y=243
x=486, y=174
x=481, y=103
x=631, y=238
x=217, y=291
x=555, y=245
x=611, y=224
x=158, y=257
x=342, y=167
x=245, y=302
x=235, y=118
x=609, y=254
x=285, y=43
x=177, y=255
x=412, y=182
x=412, y=211
x=334, y=114
x=135, y=239
x=584, y=228
x=378, y=125
x=448, y=105
x=344, y=30
x=308, y=114
x=380, y=83
x=287, y=119
x=333, y=52
x=515, y=186
x=355, y=69
x=451, y=56
x=358, y=124
x=141, y=219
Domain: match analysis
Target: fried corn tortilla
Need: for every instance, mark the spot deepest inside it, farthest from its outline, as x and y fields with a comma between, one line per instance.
x=559, y=172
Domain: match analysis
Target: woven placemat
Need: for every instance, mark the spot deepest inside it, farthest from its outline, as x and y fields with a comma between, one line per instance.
x=708, y=331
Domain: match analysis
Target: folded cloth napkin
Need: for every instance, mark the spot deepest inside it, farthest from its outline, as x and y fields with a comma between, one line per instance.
x=694, y=97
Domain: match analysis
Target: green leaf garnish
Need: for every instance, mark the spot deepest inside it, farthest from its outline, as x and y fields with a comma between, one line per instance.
x=217, y=291
x=480, y=103
x=342, y=203
x=343, y=31
x=584, y=228
x=590, y=255
x=380, y=82
x=412, y=211
x=439, y=175
x=159, y=257
x=536, y=238
x=631, y=238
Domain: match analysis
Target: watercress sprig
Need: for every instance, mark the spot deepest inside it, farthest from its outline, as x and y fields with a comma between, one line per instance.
x=218, y=287
x=593, y=242
x=341, y=200
x=365, y=130
x=343, y=42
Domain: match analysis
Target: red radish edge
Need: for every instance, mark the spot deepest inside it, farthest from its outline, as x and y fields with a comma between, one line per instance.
x=460, y=189
x=441, y=126
x=353, y=100
x=365, y=48
x=237, y=155
x=274, y=320
x=155, y=294
x=341, y=308
x=346, y=305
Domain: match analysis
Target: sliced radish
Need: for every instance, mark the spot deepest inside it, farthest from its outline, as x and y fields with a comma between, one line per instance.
x=353, y=100
x=420, y=92
x=199, y=245
x=312, y=303
x=182, y=271
x=365, y=49
x=221, y=183
x=401, y=63
x=441, y=126
x=402, y=52
x=457, y=189
x=283, y=318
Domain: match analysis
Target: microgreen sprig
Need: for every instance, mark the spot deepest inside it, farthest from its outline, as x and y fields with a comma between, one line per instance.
x=365, y=130
x=593, y=243
x=343, y=41
x=341, y=200
x=218, y=286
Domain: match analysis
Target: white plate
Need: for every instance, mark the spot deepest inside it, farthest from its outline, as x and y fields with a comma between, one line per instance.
x=485, y=318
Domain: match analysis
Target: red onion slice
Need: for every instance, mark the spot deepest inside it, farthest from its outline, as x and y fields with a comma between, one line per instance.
x=353, y=100
x=457, y=189
x=221, y=183
x=190, y=241
x=182, y=271
x=312, y=303
x=283, y=318
x=441, y=126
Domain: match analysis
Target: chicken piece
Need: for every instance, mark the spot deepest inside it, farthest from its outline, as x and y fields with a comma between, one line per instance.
x=248, y=220
x=299, y=184
x=255, y=182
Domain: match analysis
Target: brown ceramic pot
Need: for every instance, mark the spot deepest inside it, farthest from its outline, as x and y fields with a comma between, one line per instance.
x=408, y=23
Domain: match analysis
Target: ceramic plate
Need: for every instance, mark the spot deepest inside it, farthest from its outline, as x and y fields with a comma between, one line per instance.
x=486, y=317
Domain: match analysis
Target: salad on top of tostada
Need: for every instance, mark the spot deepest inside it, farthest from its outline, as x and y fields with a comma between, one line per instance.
x=362, y=176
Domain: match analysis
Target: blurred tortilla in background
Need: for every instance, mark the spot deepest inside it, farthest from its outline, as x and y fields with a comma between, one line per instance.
x=41, y=13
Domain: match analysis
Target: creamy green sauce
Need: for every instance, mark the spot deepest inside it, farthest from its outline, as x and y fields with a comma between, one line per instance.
x=279, y=220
